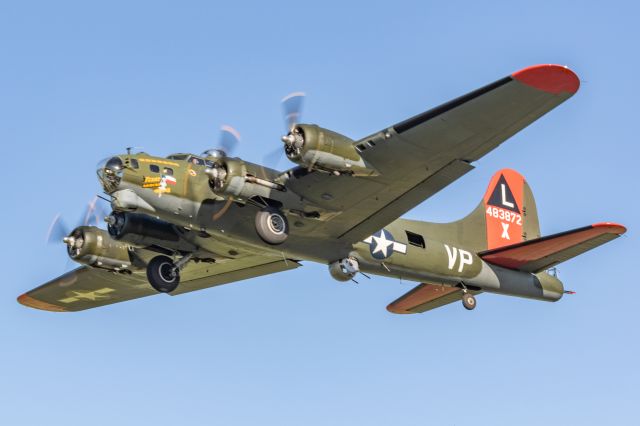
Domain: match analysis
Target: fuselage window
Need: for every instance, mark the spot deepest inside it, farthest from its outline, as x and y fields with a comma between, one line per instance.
x=415, y=239
x=168, y=171
x=177, y=157
x=154, y=168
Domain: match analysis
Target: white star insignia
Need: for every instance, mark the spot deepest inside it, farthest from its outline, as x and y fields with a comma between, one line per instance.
x=382, y=244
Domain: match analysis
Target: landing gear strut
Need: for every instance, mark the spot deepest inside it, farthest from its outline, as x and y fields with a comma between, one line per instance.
x=164, y=274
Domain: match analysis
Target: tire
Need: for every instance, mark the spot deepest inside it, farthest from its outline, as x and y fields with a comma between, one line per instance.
x=468, y=301
x=161, y=274
x=272, y=226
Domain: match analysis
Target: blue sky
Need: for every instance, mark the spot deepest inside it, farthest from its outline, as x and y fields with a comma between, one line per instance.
x=82, y=80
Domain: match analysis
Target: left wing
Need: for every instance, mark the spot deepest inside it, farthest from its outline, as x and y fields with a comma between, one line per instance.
x=86, y=288
x=418, y=157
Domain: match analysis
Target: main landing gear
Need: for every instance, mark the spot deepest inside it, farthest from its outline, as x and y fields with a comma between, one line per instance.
x=164, y=274
x=468, y=301
x=272, y=225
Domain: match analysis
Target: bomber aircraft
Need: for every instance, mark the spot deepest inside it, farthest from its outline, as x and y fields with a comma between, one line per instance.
x=187, y=222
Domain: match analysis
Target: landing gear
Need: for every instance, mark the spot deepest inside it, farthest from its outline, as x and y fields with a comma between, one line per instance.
x=163, y=274
x=468, y=301
x=272, y=225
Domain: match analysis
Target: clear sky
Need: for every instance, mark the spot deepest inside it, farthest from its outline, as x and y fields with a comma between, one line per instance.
x=82, y=80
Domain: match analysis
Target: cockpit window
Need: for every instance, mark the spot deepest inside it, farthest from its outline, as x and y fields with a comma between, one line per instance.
x=154, y=168
x=134, y=163
x=197, y=161
x=168, y=171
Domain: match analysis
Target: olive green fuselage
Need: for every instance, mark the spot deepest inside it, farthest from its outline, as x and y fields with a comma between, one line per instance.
x=222, y=226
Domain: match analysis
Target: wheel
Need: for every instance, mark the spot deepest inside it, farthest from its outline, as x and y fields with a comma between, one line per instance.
x=162, y=274
x=468, y=301
x=272, y=225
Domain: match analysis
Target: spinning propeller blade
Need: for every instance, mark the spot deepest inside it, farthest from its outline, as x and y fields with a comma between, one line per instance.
x=229, y=139
x=93, y=215
x=57, y=230
x=292, y=109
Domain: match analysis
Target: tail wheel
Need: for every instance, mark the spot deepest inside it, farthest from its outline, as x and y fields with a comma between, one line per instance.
x=272, y=225
x=163, y=274
x=468, y=301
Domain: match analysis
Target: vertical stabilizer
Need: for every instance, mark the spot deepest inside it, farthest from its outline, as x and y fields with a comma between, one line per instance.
x=510, y=210
x=506, y=215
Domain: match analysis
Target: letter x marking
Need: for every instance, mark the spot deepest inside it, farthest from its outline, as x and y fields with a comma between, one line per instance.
x=505, y=231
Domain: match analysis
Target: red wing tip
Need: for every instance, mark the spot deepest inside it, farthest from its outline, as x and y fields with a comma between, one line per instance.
x=549, y=78
x=31, y=302
x=615, y=228
x=394, y=310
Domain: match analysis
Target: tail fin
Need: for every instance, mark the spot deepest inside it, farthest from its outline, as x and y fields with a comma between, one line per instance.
x=504, y=229
x=506, y=215
x=510, y=210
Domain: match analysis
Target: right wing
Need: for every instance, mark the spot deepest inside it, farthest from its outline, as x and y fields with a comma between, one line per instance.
x=418, y=157
x=426, y=297
x=543, y=253
x=86, y=288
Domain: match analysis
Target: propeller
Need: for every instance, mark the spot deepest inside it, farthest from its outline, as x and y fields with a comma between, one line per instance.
x=229, y=138
x=93, y=214
x=57, y=230
x=292, y=111
x=228, y=142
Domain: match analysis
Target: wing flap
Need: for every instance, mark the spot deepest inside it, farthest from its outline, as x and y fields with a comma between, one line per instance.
x=543, y=253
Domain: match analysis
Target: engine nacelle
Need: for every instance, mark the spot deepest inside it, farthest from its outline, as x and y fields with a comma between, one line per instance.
x=94, y=247
x=313, y=147
x=229, y=177
x=344, y=269
x=144, y=231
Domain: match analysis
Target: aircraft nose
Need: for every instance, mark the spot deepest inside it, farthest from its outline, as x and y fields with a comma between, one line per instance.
x=110, y=172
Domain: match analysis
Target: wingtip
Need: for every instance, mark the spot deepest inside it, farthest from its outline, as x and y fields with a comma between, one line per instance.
x=614, y=228
x=392, y=308
x=550, y=78
x=26, y=300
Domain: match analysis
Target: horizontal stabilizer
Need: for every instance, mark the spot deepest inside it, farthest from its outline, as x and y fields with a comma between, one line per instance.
x=543, y=253
x=425, y=297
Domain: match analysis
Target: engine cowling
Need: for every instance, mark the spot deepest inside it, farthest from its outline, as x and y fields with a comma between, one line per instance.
x=230, y=177
x=93, y=246
x=144, y=231
x=313, y=147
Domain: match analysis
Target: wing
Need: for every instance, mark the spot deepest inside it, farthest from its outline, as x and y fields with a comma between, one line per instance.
x=426, y=297
x=543, y=253
x=418, y=157
x=86, y=288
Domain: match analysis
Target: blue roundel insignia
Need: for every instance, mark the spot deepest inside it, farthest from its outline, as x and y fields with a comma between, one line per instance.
x=382, y=245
